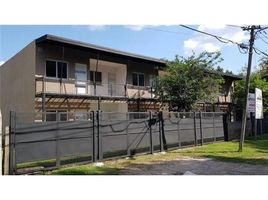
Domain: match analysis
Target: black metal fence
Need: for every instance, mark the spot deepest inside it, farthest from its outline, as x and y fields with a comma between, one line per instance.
x=48, y=140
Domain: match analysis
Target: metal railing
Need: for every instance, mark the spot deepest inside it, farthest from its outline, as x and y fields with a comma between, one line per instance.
x=74, y=87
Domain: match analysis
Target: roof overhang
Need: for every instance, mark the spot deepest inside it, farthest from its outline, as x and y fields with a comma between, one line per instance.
x=75, y=43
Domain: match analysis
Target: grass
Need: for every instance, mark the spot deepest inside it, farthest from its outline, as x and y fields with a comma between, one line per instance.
x=254, y=152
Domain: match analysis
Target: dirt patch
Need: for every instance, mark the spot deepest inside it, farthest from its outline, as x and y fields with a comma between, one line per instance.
x=198, y=166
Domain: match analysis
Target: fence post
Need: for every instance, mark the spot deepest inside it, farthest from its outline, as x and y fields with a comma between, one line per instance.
x=195, y=136
x=127, y=123
x=163, y=132
x=12, y=162
x=255, y=127
x=225, y=127
x=179, y=132
x=214, y=134
x=201, y=131
x=57, y=140
x=151, y=135
x=99, y=136
x=93, y=138
x=160, y=131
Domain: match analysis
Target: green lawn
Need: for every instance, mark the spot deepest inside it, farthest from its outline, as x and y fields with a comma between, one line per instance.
x=255, y=152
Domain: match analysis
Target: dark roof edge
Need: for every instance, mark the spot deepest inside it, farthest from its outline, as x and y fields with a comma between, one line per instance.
x=96, y=47
x=236, y=77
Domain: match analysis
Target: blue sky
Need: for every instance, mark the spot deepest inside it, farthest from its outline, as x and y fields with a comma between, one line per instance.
x=154, y=41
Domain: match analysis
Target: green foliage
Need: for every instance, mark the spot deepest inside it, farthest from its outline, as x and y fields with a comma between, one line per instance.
x=256, y=81
x=188, y=80
x=264, y=68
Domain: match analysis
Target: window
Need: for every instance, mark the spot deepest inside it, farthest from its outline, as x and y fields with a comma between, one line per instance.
x=51, y=69
x=138, y=79
x=95, y=76
x=51, y=115
x=56, y=69
x=62, y=69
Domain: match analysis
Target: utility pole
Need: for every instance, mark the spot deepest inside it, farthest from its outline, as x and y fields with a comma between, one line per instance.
x=244, y=119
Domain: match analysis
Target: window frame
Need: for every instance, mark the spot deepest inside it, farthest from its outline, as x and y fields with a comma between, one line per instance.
x=138, y=79
x=51, y=111
x=57, y=61
x=94, y=77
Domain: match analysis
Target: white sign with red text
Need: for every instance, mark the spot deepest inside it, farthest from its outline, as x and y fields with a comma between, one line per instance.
x=258, y=104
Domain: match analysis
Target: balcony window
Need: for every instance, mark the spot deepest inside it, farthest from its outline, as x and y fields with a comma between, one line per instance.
x=138, y=79
x=62, y=69
x=56, y=69
x=95, y=77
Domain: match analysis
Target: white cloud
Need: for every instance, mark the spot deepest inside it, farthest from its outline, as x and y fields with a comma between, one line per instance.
x=210, y=47
x=190, y=44
x=97, y=27
x=2, y=62
x=135, y=27
x=200, y=42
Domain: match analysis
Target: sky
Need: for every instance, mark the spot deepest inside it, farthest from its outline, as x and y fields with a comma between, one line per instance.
x=154, y=41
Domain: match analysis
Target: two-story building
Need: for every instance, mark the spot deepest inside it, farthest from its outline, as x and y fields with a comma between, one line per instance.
x=55, y=74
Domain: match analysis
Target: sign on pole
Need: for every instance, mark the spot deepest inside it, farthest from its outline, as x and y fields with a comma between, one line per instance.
x=258, y=104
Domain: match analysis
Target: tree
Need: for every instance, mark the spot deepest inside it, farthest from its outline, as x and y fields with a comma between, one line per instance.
x=264, y=67
x=256, y=81
x=188, y=80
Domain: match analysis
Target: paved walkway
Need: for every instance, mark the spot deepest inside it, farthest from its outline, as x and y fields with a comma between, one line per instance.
x=199, y=166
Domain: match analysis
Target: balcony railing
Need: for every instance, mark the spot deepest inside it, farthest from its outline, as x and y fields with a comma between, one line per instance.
x=74, y=87
x=222, y=98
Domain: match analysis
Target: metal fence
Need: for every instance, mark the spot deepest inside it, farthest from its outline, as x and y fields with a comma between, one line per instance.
x=49, y=140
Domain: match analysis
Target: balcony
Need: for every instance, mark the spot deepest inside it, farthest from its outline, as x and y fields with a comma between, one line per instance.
x=222, y=98
x=87, y=88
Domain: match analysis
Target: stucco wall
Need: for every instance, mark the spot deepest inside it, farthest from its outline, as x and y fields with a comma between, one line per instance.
x=17, y=86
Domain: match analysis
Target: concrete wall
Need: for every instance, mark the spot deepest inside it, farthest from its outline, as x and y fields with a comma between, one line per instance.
x=17, y=86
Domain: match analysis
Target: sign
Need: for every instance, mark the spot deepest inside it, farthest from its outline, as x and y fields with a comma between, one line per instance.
x=251, y=103
x=258, y=104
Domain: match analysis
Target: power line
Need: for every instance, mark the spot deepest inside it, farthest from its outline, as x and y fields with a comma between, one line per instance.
x=260, y=51
x=215, y=36
x=263, y=35
x=262, y=39
x=236, y=26
x=261, y=29
x=166, y=31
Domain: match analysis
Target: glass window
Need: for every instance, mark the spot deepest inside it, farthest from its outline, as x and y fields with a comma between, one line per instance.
x=51, y=69
x=141, y=80
x=62, y=70
x=63, y=115
x=98, y=77
x=91, y=74
x=51, y=116
x=95, y=76
x=138, y=79
x=135, y=79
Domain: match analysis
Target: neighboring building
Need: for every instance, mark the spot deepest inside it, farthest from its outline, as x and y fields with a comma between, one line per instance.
x=225, y=102
x=55, y=74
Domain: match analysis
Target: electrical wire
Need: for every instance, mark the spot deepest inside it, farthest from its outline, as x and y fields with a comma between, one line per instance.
x=262, y=39
x=256, y=49
x=219, y=38
x=263, y=35
x=166, y=31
